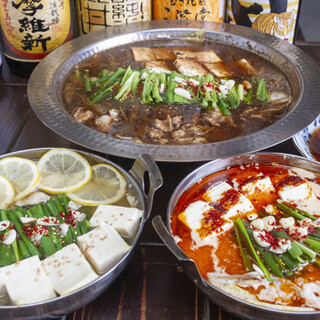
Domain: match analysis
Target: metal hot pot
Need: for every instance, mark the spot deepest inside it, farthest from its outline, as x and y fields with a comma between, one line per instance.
x=230, y=303
x=55, y=308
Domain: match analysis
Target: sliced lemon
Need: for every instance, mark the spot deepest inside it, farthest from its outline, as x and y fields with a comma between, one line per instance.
x=6, y=192
x=22, y=173
x=63, y=170
x=106, y=186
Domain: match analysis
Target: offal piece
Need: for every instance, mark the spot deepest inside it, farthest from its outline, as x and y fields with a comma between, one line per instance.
x=68, y=270
x=83, y=115
x=158, y=66
x=189, y=67
x=201, y=56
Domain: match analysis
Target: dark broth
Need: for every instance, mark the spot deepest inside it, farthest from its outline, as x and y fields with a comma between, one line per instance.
x=136, y=121
x=314, y=144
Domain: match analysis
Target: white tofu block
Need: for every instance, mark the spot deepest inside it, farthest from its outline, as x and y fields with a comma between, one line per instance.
x=68, y=270
x=103, y=247
x=262, y=185
x=216, y=192
x=125, y=220
x=310, y=205
x=194, y=213
x=296, y=193
x=4, y=299
x=244, y=205
x=26, y=282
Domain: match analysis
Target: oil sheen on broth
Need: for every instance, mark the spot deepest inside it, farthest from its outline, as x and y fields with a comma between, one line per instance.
x=259, y=198
x=183, y=121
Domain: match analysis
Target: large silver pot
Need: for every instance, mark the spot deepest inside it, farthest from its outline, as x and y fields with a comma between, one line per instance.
x=60, y=306
x=230, y=303
x=46, y=82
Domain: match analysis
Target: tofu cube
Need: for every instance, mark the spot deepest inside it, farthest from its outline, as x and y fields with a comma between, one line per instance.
x=143, y=54
x=189, y=67
x=194, y=213
x=26, y=282
x=125, y=220
x=3, y=291
x=158, y=66
x=232, y=201
x=245, y=67
x=201, y=56
x=220, y=69
x=103, y=247
x=297, y=192
x=68, y=270
x=259, y=185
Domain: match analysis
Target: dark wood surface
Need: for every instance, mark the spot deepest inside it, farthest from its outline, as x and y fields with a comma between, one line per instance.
x=153, y=286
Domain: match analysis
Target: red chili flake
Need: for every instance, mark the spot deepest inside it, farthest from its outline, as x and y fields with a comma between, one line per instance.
x=211, y=221
x=61, y=214
x=290, y=181
x=229, y=199
x=208, y=85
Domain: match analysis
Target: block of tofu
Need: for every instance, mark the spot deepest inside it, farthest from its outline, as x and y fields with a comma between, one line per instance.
x=220, y=69
x=158, y=66
x=26, y=282
x=257, y=185
x=143, y=54
x=68, y=270
x=124, y=219
x=3, y=291
x=245, y=67
x=294, y=188
x=229, y=199
x=190, y=67
x=103, y=247
x=201, y=56
x=164, y=53
x=204, y=221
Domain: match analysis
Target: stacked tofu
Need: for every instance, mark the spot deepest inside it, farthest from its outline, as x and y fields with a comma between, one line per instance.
x=190, y=62
x=214, y=216
x=298, y=191
x=76, y=265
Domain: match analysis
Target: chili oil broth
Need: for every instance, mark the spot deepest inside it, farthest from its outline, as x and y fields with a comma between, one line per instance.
x=228, y=251
x=136, y=117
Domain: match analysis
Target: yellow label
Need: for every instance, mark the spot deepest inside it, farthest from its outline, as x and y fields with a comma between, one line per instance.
x=209, y=10
x=276, y=17
x=32, y=28
x=99, y=14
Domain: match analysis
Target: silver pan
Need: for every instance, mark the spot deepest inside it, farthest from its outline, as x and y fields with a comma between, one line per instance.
x=60, y=306
x=303, y=74
x=228, y=302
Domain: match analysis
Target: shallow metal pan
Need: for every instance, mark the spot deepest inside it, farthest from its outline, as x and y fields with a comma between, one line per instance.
x=55, y=308
x=303, y=74
x=230, y=303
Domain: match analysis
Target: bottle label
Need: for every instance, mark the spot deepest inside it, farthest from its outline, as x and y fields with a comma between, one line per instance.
x=99, y=14
x=33, y=28
x=208, y=10
x=277, y=17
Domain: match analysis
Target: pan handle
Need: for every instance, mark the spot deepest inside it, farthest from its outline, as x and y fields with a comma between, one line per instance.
x=188, y=264
x=145, y=164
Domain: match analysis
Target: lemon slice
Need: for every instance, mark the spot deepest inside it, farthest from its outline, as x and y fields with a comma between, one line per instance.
x=22, y=173
x=106, y=186
x=63, y=170
x=6, y=192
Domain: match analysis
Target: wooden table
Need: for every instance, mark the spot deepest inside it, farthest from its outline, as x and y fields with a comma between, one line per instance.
x=153, y=286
